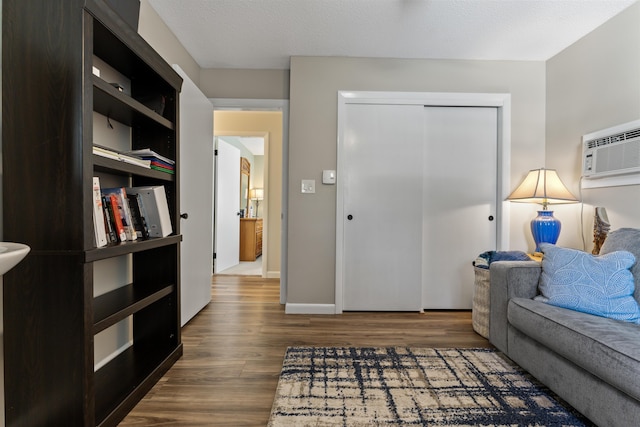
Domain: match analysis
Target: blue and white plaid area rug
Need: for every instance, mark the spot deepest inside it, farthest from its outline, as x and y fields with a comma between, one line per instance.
x=411, y=387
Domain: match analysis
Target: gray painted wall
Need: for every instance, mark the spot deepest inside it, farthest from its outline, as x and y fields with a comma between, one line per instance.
x=315, y=82
x=594, y=84
x=245, y=84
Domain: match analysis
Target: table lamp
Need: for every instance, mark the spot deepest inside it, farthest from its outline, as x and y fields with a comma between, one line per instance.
x=257, y=194
x=543, y=186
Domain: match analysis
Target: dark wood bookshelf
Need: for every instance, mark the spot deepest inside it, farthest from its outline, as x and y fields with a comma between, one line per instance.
x=51, y=317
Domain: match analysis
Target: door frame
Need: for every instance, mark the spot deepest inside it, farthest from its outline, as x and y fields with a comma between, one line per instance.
x=265, y=185
x=501, y=101
x=282, y=105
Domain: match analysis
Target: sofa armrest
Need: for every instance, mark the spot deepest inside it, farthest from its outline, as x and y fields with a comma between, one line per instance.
x=509, y=279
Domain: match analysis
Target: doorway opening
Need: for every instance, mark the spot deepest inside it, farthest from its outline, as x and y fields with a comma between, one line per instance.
x=268, y=119
x=240, y=205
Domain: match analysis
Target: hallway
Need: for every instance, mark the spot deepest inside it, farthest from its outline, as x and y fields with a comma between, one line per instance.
x=245, y=268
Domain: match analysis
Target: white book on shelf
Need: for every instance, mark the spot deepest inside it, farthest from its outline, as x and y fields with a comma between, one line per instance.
x=135, y=161
x=98, y=215
x=116, y=155
x=147, y=152
x=105, y=152
x=155, y=203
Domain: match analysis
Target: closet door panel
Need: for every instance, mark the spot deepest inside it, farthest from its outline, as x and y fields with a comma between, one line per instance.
x=460, y=193
x=383, y=207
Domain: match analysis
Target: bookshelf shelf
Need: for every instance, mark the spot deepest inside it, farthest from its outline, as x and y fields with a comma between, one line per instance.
x=119, y=249
x=117, y=305
x=53, y=322
x=105, y=164
x=112, y=103
x=118, y=393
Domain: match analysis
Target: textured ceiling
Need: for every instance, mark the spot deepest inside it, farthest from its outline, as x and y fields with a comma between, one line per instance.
x=266, y=33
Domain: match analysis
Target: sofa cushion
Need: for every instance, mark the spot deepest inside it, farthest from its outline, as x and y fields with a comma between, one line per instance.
x=601, y=285
x=607, y=348
x=626, y=239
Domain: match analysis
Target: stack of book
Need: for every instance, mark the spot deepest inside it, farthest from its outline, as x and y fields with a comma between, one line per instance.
x=110, y=153
x=158, y=162
x=127, y=214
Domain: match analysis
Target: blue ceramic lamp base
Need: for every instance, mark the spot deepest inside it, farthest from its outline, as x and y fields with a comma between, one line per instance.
x=545, y=228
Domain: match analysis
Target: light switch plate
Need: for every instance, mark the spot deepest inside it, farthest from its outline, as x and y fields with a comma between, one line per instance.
x=308, y=186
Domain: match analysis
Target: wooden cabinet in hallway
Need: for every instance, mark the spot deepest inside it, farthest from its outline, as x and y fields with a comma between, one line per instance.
x=250, y=238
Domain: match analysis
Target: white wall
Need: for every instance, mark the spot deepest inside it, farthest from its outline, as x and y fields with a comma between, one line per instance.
x=592, y=85
x=315, y=82
x=159, y=36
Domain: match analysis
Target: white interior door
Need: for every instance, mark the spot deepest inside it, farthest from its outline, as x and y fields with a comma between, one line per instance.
x=196, y=198
x=227, y=220
x=460, y=199
x=382, y=182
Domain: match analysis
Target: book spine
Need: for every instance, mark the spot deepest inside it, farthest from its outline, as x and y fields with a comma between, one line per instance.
x=161, y=169
x=126, y=211
x=123, y=210
x=144, y=214
x=154, y=200
x=162, y=164
x=138, y=219
x=98, y=215
x=117, y=218
x=108, y=221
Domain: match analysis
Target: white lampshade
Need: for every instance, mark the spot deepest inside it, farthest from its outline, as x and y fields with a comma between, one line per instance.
x=542, y=186
x=256, y=193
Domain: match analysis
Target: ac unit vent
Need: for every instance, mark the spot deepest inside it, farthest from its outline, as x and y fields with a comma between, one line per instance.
x=599, y=142
x=613, y=151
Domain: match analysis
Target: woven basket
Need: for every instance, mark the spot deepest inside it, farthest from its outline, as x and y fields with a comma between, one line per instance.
x=481, y=303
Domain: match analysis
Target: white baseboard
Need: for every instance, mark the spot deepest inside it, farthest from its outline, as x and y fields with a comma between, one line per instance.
x=310, y=308
x=273, y=274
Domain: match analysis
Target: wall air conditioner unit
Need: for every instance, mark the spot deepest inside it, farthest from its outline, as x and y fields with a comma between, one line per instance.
x=611, y=157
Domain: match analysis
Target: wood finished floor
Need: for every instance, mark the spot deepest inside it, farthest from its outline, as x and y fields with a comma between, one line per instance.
x=233, y=352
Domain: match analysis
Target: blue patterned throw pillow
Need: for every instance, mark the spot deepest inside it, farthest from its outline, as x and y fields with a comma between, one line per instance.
x=601, y=285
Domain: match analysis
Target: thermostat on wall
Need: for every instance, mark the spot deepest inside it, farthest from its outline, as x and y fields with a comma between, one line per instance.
x=328, y=176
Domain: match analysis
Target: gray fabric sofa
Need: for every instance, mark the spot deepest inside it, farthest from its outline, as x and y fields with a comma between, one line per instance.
x=591, y=362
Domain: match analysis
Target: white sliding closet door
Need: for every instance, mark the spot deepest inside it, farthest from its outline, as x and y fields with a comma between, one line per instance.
x=383, y=207
x=419, y=198
x=460, y=192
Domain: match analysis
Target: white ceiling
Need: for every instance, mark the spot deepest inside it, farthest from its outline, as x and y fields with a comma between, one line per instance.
x=264, y=34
